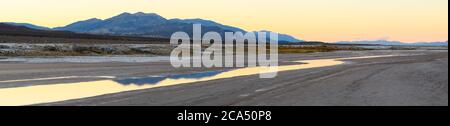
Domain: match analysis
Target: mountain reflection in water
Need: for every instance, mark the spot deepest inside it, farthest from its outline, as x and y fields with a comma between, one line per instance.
x=69, y=91
x=156, y=80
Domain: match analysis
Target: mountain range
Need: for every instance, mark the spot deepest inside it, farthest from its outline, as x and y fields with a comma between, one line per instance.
x=394, y=43
x=153, y=25
x=146, y=25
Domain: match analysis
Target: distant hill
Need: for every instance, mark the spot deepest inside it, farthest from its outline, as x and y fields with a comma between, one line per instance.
x=9, y=29
x=13, y=30
x=395, y=43
x=27, y=25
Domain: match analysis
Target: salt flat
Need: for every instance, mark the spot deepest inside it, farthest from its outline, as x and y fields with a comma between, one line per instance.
x=410, y=78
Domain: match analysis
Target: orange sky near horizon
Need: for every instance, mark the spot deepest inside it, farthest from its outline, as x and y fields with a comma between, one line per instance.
x=315, y=20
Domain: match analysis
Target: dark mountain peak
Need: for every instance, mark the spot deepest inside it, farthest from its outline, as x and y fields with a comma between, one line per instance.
x=199, y=19
x=124, y=14
x=138, y=15
x=146, y=14
x=93, y=20
x=139, y=18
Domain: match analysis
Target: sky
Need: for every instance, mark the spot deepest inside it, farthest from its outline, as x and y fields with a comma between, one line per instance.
x=314, y=20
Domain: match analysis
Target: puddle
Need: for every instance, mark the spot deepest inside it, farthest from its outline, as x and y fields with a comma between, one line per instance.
x=157, y=80
x=62, y=92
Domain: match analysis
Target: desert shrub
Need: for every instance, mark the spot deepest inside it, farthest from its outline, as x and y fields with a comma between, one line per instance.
x=50, y=48
x=4, y=47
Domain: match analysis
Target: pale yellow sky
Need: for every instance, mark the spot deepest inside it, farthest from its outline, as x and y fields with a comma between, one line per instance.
x=322, y=20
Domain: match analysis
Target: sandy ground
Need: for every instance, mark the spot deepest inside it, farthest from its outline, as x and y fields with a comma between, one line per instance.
x=414, y=78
